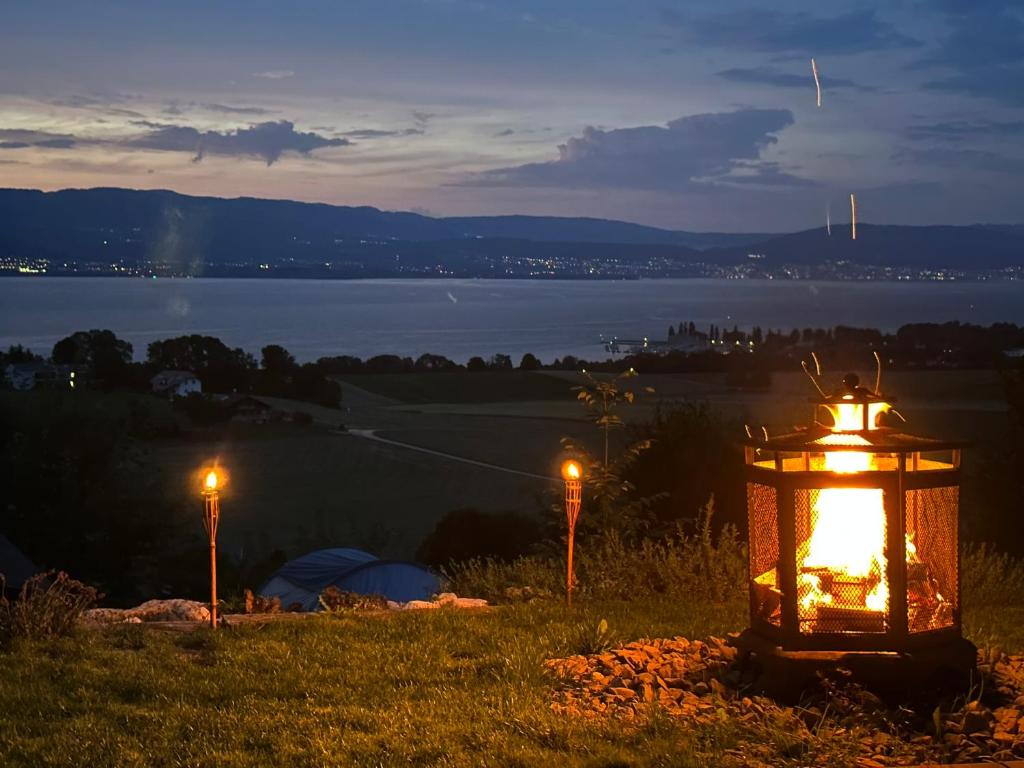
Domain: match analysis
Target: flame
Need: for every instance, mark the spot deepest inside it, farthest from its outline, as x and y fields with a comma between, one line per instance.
x=849, y=417
x=211, y=481
x=571, y=470
x=843, y=563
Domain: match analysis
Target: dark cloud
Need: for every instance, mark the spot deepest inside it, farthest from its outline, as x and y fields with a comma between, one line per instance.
x=371, y=133
x=770, y=76
x=984, y=48
x=506, y=132
x=267, y=140
x=11, y=138
x=423, y=117
x=964, y=130
x=774, y=31
x=685, y=152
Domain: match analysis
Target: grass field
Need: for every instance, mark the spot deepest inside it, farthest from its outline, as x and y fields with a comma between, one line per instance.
x=464, y=387
x=435, y=688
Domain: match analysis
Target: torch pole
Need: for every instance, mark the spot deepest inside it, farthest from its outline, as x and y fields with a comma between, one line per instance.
x=573, y=500
x=211, y=516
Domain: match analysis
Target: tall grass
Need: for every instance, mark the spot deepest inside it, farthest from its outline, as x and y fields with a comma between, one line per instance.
x=690, y=565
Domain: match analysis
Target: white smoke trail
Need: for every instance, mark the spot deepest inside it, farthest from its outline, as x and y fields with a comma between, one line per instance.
x=817, y=80
x=828, y=218
x=452, y=299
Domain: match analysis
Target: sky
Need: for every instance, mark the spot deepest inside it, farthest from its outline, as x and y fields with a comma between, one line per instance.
x=688, y=114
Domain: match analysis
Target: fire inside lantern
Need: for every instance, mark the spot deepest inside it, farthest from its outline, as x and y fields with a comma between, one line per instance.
x=853, y=529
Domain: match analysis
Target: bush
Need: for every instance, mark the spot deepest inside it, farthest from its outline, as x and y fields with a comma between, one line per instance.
x=48, y=605
x=465, y=534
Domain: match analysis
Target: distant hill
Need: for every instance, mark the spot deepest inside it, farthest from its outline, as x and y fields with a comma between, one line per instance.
x=944, y=247
x=182, y=232
x=587, y=230
x=85, y=210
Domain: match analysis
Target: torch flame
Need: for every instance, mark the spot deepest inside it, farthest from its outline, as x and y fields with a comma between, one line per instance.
x=211, y=481
x=571, y=470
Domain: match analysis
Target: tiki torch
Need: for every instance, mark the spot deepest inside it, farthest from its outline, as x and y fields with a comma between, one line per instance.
x=572, y=473
x=211, y=516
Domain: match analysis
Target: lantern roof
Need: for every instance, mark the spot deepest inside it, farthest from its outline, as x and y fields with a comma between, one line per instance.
x=817, y=438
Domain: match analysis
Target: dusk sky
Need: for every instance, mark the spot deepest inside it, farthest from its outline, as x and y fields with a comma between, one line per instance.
x=691, y=115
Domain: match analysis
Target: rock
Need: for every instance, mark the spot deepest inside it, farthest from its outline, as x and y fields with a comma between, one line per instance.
x=975, y=721
x=417, y=605
x=151, y=610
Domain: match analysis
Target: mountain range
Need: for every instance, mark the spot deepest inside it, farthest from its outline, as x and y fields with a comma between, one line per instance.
x=108, y=226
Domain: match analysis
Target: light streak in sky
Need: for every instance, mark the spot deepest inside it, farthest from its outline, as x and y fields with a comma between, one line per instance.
x=817, y=80
x=853, y=217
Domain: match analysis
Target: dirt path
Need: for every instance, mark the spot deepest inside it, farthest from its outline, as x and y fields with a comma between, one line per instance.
x=370, y=434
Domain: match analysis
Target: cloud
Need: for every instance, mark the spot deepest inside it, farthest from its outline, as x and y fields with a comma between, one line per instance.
x=275, y=74
x=963, y=130
x=771, y=76
x=973, y=159
x=372, y=133
x=17, y=139
x=774, y=31
x=104, y=104
x=686, y=152
x=231, y=110
x=984, y=48
x=267, y=140
x=506, y=132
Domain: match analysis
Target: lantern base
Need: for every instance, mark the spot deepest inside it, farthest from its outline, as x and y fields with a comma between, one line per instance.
x=948, y=666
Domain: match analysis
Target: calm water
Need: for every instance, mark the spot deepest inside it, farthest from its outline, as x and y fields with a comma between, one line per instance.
x=460, y=318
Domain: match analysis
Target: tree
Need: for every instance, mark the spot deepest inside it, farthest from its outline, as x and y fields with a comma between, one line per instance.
x=529, y=363
x=692, y=458
x=103, y=356
x=428, y=362
x=476, y=364
x=500, y=363
x=609, y=501
x=16, y=354
x=277, y=361
x=220, y=368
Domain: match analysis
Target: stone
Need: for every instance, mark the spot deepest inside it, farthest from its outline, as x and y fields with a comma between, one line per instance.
x=151, y=610
x=975, y=721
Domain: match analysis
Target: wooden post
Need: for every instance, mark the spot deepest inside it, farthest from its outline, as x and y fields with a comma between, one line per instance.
x=573, y=501
x=211, y=516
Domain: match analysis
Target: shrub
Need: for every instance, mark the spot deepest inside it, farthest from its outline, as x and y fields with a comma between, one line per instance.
x=464, y=534
x=334, y=600
x=48, y=605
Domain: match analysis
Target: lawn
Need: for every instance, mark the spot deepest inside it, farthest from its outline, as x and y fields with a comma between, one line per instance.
x=428, y=688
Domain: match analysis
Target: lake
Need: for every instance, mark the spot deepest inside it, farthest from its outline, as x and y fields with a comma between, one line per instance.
x=461, y=318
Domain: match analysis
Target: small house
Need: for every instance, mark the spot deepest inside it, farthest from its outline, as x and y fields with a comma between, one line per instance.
x=176, y=383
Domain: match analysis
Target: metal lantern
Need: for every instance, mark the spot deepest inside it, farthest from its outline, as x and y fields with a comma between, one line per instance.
x=853, y=531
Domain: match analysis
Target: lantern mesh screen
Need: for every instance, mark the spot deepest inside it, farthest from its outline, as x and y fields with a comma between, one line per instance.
x=932, y=546
x=763, y=522
x=840, y=563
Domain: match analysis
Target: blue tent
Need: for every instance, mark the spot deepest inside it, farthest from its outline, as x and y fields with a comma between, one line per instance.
x=303, y=579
